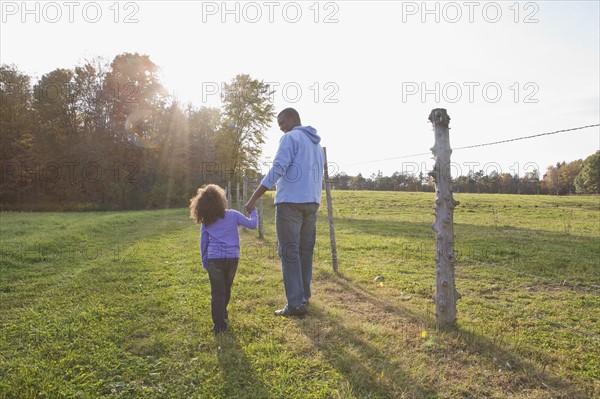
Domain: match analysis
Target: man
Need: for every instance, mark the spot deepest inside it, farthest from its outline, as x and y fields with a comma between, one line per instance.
x=297, y=172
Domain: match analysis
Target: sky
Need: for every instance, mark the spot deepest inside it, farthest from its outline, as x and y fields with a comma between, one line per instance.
x=365, y=74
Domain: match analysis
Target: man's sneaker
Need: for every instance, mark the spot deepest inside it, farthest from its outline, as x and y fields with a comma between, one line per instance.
x=287, y=311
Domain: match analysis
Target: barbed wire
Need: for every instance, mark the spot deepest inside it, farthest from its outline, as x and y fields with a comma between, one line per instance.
x=477, y=145
x=525, y=137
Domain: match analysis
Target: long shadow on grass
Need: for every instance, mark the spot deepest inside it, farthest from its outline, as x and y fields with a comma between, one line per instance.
x=239, y=375
x=371, y=373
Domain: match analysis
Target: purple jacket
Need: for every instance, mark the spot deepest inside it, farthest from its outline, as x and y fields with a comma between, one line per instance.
x=221, y=239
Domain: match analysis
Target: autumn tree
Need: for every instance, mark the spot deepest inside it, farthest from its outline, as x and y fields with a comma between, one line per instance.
x=560, y=178
x=17, y=139
x=567, y=175
x=92, y=105
x=135, y=98
x=247, y=113
x=588, y=179
x=15, y=112
x=530, y=183
x=55, y=99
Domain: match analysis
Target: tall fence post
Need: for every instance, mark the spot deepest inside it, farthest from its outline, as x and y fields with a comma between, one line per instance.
x=261, y=228
x=446, y=294
x=243, y=198
x=229, y=194
x=334, y=259
x=238, y=196
x=244, y=191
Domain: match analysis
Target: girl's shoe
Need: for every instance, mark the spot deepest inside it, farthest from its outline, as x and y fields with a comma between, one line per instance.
x=216, y=330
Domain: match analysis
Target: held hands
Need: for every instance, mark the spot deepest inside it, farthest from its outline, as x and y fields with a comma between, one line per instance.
x=251, y=204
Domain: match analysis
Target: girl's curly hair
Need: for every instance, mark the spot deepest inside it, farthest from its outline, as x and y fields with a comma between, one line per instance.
x=208, y=205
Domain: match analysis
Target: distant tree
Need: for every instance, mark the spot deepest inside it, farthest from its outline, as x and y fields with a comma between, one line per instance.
x=461, y=184
x=478, y=179
x=384, y=183
x=560, y=178
x=341, y=181
x=55, y=99
x=247, y=113
x=15, y=112
x=92, y=105
x=530, y=183
x=17, y=136
x=567, y=175
x=135, y=99
x=358, y=182
x=588, y=179
x=203, y=125
x=506, y=183
x=422, y=180
x=551, y=182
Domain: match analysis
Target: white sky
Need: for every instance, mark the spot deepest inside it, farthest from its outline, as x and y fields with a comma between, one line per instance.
x=362, y=73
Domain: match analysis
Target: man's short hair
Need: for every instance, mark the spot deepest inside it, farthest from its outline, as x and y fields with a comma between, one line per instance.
x=290, y=113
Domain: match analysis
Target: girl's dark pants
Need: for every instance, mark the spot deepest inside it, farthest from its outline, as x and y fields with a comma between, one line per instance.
x=221, y=273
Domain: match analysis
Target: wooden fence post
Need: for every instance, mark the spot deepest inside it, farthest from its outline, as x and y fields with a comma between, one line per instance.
x=446, y=295
x=238, y=196
x=244, y=191
x=334, y=259
x=229, y=194
x=244, y=197
x=261, y=229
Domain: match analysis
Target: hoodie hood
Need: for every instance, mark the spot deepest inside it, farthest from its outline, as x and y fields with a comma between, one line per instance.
x=297, y=168
x=311, y=132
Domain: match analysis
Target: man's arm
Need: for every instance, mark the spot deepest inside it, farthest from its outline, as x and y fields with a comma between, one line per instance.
x=251, y=204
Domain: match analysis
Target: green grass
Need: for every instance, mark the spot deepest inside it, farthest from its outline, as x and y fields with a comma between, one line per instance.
x=117, y=305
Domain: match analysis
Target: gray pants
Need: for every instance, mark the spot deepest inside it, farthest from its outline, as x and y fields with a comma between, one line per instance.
x=296, y=226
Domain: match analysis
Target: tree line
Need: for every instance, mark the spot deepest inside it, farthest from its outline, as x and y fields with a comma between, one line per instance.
x=576, y=177
x=109, y=136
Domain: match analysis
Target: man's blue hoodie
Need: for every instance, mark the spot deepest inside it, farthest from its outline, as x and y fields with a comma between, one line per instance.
x=297, y=169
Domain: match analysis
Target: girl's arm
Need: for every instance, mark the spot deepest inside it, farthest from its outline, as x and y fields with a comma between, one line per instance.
x=204, y=247
x=251, y=222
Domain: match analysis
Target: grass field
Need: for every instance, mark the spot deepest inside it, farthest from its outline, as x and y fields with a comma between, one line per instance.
x=117, y=305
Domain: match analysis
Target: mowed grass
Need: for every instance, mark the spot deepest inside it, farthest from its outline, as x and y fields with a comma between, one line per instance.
x=117, y=305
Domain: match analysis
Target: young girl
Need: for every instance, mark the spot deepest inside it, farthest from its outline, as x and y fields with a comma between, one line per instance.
x=219, y=245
